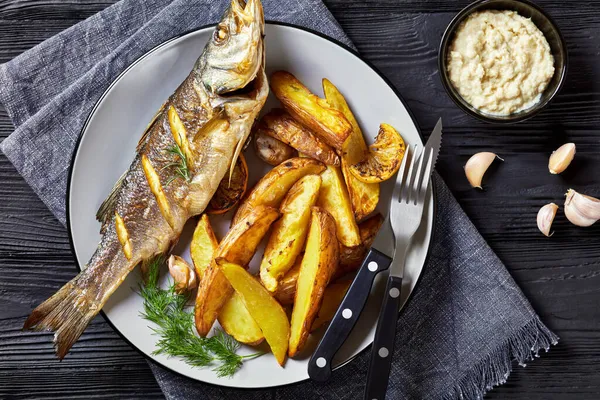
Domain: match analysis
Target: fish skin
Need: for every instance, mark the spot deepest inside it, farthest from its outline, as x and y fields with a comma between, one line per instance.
x=228, y=84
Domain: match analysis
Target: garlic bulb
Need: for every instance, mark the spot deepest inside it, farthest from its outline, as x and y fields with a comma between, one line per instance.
x=580, y=209
x=477, y=165
x=561, y=158
x=183, y=274
x=545, y=217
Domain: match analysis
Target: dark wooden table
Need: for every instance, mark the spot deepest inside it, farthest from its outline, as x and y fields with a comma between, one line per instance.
x=561, y=275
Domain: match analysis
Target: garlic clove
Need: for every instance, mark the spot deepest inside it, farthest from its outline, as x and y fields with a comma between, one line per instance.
x=477, y=166
x=561, y=158
x=580, y=209
x=182, y=273
x=545, y=217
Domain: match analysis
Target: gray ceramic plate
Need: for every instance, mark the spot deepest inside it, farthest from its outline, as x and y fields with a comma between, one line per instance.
x=107, y=147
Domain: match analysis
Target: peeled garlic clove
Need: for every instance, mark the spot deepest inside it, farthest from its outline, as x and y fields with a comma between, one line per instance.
x=182, y=273
x=561, y=158
x=477, y=165
x=545, y=217
x=580, y=209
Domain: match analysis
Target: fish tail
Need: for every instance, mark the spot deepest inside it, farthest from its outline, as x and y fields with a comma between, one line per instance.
x=68, y=312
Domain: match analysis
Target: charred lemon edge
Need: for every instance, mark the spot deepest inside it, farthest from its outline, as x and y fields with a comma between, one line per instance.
x=243, y=166
x=123, y=236
x=157, y=190
x=179, y=133
x=388, y=168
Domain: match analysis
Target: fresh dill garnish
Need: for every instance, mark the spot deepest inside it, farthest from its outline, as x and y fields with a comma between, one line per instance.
x=181, y=167
x=175, y=327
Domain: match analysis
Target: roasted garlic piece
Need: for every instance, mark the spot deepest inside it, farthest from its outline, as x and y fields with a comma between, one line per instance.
x=183, y=274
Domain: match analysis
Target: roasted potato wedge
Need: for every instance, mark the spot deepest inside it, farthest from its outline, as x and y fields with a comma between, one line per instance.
x=334, y=199
x=273, y=187
x=332, y=298
x=289, y=131
x=238, y=246
x=264, y=309
x=270, y=149
x=352, y=257
x=364, y=196
x=384, y=158
x=286, y=289
x=289, y=232
x=236, y=320
x=318, y=265
x=204, y=245
x=230, y=191
x=310, y=110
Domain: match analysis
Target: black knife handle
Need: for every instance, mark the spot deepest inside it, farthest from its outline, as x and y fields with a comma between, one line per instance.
x=383, y=344
x=319, y=366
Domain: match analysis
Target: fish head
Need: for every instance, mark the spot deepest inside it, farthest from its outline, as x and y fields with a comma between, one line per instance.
x=235, y=53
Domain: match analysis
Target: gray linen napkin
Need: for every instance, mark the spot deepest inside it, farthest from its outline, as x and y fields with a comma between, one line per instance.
x=467, y=321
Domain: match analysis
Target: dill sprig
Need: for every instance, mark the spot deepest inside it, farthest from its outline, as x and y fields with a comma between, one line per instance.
x=181, y=167
x=175, y=327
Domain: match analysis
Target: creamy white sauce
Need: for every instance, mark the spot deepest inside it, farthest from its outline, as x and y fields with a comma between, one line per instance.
x=500, y=62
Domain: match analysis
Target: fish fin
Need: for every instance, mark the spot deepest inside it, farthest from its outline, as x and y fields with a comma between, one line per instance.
x=67, y=313
x=149, y=127
x=106, y=210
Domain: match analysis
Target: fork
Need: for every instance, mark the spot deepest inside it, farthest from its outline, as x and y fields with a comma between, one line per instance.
x=406, y=212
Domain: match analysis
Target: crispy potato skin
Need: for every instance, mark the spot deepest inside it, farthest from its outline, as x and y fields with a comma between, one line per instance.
x=351, y=258
x=270, y=149
x=289, y=131
x=238, y=246
x=230, y=192
x=289, y=232
x=364, y=196
x=384, y=158
x=334, y=198
x=235, y=319
x=332, y=298
x=310, y=110
x=286, y=290
x=273, y=187
x=264, y=309
x=318, y=265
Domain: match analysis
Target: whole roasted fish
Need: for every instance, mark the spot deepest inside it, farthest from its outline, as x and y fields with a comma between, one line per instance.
x=180, y=160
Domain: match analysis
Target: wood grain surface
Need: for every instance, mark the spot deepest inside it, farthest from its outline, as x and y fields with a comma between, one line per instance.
x=561, y=275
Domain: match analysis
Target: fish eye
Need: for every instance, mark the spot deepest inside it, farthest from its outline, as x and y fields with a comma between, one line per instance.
x=221, y=34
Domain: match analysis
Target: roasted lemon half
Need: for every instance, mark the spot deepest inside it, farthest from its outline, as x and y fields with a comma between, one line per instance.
x=384, y=157
x=230, y=192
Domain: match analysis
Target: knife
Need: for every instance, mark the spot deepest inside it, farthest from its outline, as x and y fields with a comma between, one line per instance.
x=378, y=258
x=406, y=214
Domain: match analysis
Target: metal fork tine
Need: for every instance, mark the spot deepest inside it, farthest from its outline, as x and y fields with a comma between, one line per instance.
x=400, y=177
x=414, y=188
x=408, y=182
x=425, y=156
x=425, y=177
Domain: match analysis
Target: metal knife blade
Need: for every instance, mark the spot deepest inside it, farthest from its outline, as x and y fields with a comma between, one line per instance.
x=435, y=142
x=384, y=241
